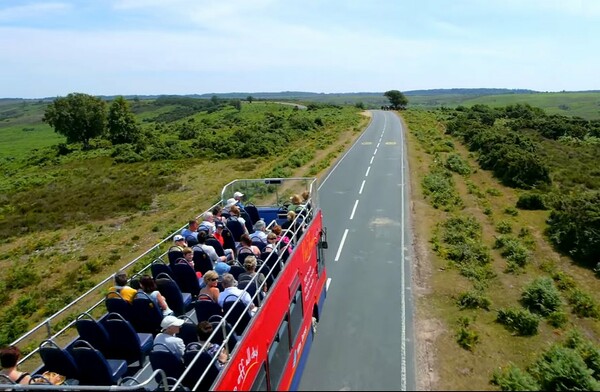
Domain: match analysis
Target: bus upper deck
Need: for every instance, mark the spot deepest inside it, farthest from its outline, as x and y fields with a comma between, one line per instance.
x=266, y=349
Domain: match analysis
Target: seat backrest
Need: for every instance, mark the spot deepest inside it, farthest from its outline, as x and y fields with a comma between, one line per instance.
x=228, y=240
x=188, y=332
x=252, y=212
x=58, y=360
x=222, y=331
x=243, y=253
x=158, y=267
x=161, y=357
x=145, y=315
x=191, y=240
x=124, y=340
x=170, y=290
x=236, y=270
x=186, y=278
x=273, y=265
x=236, y=228
x=251, y=289
x=202, y=262
x=238, y=312
x=206, y=308
x=211, y=241
x=93, y=332
x=174, y=255
x=198, y=368
x=96, y=371
x=259, y=244
x=116, y=304
x=249, y=223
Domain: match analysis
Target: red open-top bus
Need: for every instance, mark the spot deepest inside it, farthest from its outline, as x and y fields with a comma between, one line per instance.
x=267, y=349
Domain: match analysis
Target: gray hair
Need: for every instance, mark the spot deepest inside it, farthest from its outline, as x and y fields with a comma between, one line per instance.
x=259, y=225
x=228, y=281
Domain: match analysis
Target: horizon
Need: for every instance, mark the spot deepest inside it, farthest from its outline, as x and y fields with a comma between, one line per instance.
x=183, y=47
x=409, y=92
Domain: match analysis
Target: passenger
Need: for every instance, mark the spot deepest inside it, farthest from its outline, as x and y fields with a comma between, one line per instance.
x=216, y=211
x=246, y=246
x=207, y=224
x=178, y=243
x=9, y=358
x=250, y=265
x=127, y=293
x=284, y=239
x=209, y=250
x=271, y=243
x=218, y=235
x=170, y=327
x=260, y=232
x=222, y=268
x=231, y=291
x=226, y=211
x=205, y=329
x=191, y=230
x=238, y=198
x=234, y=211
x=211, y=280
x=148, y=286
x=188, y=257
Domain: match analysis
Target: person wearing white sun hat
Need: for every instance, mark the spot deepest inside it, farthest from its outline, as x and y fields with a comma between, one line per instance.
x=170, y=327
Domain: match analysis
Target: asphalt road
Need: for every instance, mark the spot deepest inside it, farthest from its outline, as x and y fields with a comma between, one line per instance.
x=364, y=339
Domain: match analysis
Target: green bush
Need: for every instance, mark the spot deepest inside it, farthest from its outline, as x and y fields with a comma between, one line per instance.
x=439, y=187
x=583, y=304
x=588, y=351
x=457, y=164
x=557, y=319
x=466, y=337
x=512, y=378
x=511, y=211
x=563, y=369
x=504, y=227
x=531, y=201
x=520, y=321
x=473, y=299
x=541, y=296
x=563, y=281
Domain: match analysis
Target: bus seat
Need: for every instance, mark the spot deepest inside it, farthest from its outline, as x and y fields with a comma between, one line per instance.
x=166, y=360
x=97, y=370
x=186, y=279
x=205, y=308
x=145, y=315
x=93, y=332
x=198, y=368
x=177, y=301
x=59, y=360
x=158, y=267
x=125, y=342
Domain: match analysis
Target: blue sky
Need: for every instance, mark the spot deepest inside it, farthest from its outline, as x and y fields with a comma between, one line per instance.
x=107, y=47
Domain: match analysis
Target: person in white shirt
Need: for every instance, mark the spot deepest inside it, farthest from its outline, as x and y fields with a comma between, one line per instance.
x=231, y=291
x=170, y=327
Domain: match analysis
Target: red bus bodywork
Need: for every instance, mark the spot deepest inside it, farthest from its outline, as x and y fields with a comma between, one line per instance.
x=251, y=354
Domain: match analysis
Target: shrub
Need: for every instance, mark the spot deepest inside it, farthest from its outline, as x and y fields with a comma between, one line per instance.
x=541, y=296
x=438, y=186
x=583, y=304
x=512, y=378
x=473, y=299
x=557, y=319
x=520, y=321
x=563, y=281
x=586, y=349
x=466, y=337
x=511, y=211
x=531, y=201
x=504, y=227
x=457, y=164
x=563, y=369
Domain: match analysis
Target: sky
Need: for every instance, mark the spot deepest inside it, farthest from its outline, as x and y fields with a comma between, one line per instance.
x=145, y=47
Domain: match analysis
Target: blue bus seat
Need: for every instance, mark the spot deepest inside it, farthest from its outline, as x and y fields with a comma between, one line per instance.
x=97, y=370
x=59, y=360
x=173, y=255
x=238, y=312
x=166, y=360
x=116, y=304
x=93, y=332
x=186, y=278
x=198, y=368
x=205, y=308
x=178, y=302
x=188, y=332
x=145, y=315
x=202, y=262
x=125, y=342
x=159, y=267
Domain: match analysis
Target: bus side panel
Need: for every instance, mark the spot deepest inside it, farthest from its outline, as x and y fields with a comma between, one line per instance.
x=303, y=360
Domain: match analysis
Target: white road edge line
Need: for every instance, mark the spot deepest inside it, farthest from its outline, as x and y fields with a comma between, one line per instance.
x=368, y=170
x=361, y=187
x=354, y=209
x=327, y=284
x=402, y=263
x=375, y=152
x=373, y=157
x=337, y=255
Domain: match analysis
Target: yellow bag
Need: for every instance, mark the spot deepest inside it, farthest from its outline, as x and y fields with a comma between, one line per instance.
x=52, y=377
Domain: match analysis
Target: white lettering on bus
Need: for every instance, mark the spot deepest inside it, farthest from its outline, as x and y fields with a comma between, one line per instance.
x=245, y=364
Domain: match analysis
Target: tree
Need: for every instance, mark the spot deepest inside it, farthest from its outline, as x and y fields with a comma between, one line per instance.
x=122, y=126
x=79, y=117
x=250, y=98
x=397, y=99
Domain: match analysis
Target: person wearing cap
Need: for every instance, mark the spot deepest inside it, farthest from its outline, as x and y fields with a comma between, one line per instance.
x=178, y=243
x=170, y=326
x=238, y=198
x=127, y=293
x=226, y=211
x=222, y=268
